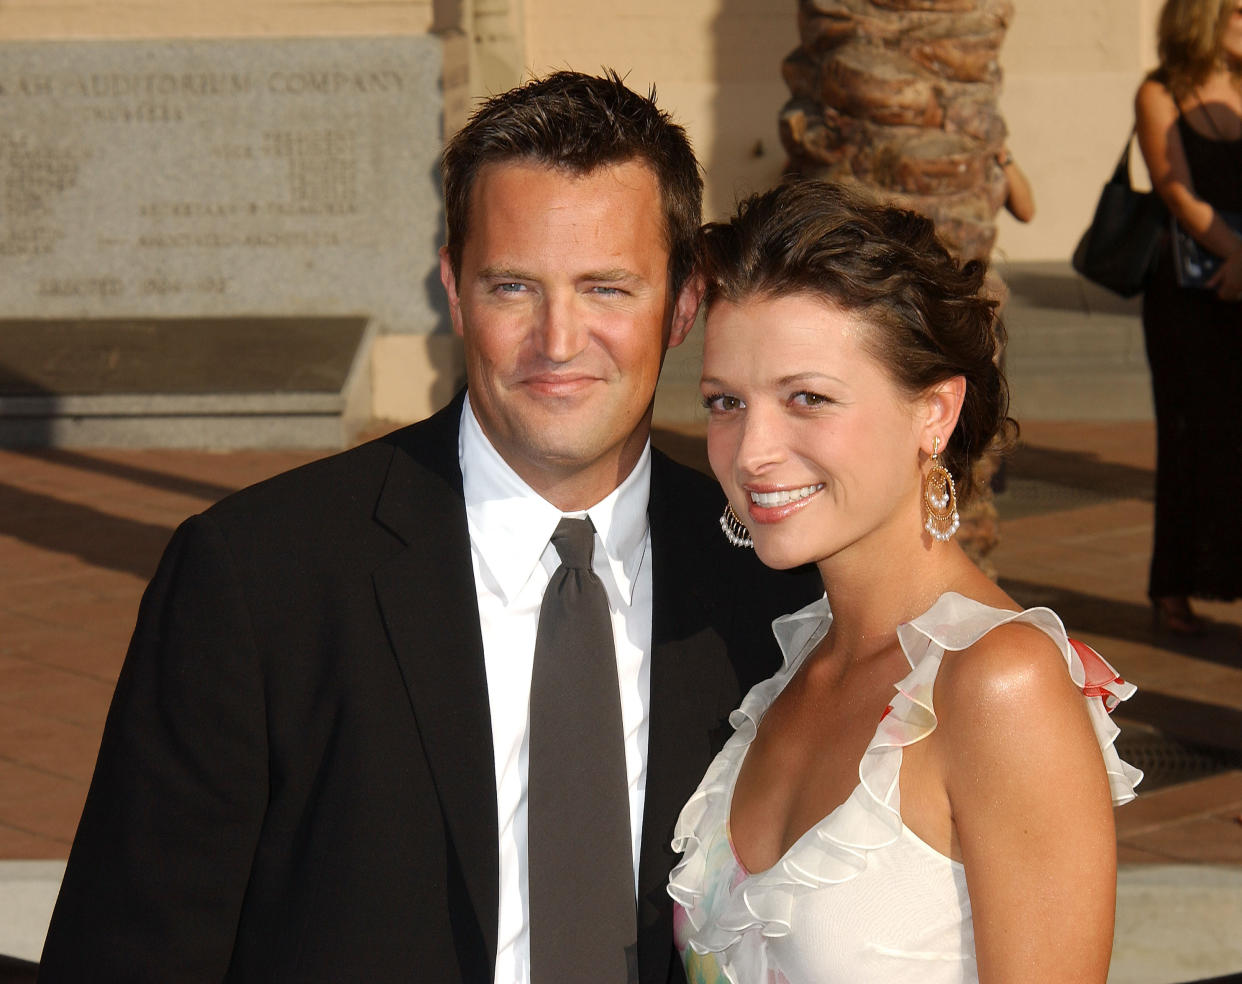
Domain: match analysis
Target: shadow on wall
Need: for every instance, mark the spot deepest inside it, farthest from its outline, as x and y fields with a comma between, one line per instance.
x=749, y=39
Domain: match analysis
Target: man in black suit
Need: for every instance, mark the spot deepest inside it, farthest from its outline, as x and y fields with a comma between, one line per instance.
x=314, y=765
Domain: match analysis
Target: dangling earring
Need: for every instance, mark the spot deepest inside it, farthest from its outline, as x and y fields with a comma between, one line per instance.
x=940, y=498
x=735, y=532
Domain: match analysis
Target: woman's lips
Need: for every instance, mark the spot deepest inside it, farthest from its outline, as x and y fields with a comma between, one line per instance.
x=771, y=505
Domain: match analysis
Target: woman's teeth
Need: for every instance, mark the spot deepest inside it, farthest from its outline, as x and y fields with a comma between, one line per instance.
x=768, y=500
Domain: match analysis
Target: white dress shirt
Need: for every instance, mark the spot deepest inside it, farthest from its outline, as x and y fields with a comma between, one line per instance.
x=511, y=529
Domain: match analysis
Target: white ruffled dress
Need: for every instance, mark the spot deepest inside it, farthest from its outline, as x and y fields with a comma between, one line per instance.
x=858, y=898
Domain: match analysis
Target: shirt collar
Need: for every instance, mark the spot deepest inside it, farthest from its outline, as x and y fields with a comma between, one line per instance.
x=511, y=524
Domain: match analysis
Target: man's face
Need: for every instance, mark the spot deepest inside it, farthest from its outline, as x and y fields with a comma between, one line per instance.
x=564, y=305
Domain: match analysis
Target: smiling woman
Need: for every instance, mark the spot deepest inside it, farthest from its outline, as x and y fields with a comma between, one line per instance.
x=929, y=753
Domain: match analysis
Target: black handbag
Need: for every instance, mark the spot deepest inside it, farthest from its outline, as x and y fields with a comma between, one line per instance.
x=1120, y=248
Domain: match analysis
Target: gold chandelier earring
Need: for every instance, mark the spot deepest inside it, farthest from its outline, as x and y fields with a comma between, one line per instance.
x=734, y=530
x=940, y=499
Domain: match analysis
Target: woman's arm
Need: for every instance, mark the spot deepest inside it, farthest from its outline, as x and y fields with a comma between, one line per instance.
x=1019, y=199
x=1156, y=114
x=1031, y=809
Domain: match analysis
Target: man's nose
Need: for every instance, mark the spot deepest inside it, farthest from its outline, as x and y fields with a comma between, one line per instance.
x=561, y=333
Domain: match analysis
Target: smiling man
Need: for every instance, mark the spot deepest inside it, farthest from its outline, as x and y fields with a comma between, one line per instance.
x=566, y=320
x=352, y=739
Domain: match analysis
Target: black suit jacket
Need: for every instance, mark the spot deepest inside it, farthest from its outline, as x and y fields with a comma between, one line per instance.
x=296, y=780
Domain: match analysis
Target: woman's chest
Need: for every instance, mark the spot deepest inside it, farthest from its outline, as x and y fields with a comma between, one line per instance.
x=802, y=764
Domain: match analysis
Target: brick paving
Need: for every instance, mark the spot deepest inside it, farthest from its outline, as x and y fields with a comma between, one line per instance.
x=80, y=535
x=81, y=532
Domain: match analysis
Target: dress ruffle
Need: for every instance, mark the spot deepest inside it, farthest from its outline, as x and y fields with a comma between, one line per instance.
x=835, y=850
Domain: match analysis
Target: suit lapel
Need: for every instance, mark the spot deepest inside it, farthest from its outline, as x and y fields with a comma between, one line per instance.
x=686, y=657
x=426, y=594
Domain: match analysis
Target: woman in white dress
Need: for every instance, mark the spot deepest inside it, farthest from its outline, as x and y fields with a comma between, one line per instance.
x=924, y=792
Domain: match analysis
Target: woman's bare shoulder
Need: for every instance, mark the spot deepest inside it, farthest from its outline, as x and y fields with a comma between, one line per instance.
x=1154, y=101
x=1012, y=676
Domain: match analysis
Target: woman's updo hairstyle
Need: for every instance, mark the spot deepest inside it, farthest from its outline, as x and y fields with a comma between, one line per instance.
x=930, y=319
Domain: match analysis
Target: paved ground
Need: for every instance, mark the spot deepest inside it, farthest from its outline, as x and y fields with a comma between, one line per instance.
x=80, y=533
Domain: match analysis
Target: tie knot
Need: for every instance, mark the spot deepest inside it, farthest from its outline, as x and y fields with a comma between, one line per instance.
x=574, y=541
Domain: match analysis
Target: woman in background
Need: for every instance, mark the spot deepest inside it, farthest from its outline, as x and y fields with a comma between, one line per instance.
x=1189, y=118
x=923, y=793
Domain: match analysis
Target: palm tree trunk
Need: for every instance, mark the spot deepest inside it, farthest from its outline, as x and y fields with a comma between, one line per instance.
x=901, y=96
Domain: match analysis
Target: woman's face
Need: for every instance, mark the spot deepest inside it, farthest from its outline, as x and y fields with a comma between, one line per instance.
x=815, y=445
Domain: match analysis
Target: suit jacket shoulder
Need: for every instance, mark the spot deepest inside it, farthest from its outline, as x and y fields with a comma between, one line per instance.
x=295, y=780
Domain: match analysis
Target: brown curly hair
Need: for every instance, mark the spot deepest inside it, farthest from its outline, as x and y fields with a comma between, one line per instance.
x=931, y=319
x=578, y=123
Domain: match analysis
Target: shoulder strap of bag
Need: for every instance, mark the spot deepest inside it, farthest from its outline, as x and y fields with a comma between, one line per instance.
x=1121, y=175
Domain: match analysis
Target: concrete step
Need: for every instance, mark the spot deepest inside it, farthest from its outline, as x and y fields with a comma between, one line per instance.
x=1075, y=351
x=1176, y=922
x=194, y=382
x=27, y=895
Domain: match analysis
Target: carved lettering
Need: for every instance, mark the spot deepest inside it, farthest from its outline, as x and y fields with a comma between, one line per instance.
x=162, y=286
x=139, y=113
x=35, y=85
x=194, y=210
x=333, y=82
x=187, y=240
x=323, y=168
x=36, y=241
x=81, y=287
x=32, y=174
x=233, y=152
x=159, y=84
x=229, y=240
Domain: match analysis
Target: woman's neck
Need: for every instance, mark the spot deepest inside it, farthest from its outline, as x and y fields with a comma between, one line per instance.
x=875, y=586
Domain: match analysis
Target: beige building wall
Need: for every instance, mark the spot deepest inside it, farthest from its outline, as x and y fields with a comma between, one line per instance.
x=134, y=19
x=1071, y=70
x=715, y=63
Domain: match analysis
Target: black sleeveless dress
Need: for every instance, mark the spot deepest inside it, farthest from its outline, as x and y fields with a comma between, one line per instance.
x=1194, y=347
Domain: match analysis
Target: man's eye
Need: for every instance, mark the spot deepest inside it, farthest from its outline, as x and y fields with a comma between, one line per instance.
x=721, y=403
x=607, y=291
x=510, y=288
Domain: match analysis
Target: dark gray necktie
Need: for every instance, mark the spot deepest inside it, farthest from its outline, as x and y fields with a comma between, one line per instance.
x=583, y=922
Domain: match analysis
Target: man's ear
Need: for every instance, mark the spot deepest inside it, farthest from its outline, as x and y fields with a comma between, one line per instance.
x=686, y=309
x=449, y=279
x=941, y=406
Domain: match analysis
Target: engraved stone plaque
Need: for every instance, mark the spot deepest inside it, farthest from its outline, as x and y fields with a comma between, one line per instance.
x=222, y=178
